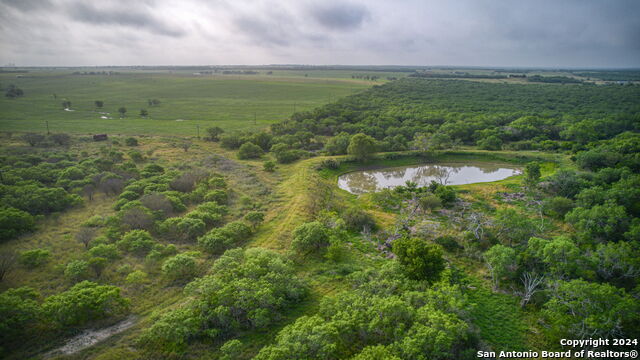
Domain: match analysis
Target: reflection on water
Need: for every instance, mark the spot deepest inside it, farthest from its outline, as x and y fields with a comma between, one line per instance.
x=359, y=182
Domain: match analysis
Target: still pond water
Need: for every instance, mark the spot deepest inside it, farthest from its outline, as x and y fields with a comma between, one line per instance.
x=363, y=181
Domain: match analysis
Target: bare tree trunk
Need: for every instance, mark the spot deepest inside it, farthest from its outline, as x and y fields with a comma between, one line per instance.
x=531, y=283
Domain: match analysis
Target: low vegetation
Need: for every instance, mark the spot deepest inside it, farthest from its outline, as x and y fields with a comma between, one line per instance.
x=240, y=245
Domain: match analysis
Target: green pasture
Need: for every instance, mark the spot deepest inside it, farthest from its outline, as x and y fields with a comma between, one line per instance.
x=233, y=102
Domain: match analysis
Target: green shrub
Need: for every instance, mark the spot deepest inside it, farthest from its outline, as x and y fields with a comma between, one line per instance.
x=107, y=251
x=490, y=143
x=98, y=264
x=138, y=242
x=356, y=219
x=420, y=259
x=209, y=218
x=220, y=239
x=131, y=141
x=34, y=258
x=84, y=302
x=94, y=221
x=181, y=267
x=136, y=156
x=310, y=237
x=218, y=196
x=137, y=277
x=182, y=228
x=254, y=218
x=231, y=350
x=429, y=202
x=19, y=310
x=250, y=151
x=77, y=270
x=269, y=166
x=14, y=222
x=448, y=242
x=557, y=206
x=446, y=194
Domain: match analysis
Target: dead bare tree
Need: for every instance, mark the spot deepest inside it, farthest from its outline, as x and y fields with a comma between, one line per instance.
x=85, y=235
x=443, y=174
x=111, y=186
x=539, y=208
x=531, y=283
x=136, y=218
x=88, y=190
x=476, y=224
x=7, y=263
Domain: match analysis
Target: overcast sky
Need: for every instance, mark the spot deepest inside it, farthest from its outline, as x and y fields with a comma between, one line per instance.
x=546, y=33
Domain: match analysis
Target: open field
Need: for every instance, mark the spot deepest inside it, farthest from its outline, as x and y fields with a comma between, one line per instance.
x=232, y=102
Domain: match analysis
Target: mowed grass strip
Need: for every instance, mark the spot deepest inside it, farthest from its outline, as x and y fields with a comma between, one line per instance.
x=186, y=101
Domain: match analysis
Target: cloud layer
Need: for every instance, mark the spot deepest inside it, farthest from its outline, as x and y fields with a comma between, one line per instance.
x=547, y=33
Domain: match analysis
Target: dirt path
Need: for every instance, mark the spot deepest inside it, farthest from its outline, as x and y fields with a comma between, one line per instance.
x=91, y=337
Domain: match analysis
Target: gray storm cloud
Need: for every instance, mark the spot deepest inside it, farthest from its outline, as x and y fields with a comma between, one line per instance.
x=544, y=33
x=341, y=16
x=124, y=16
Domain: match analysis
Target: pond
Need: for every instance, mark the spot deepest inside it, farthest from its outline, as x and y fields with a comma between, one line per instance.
x=363, y=181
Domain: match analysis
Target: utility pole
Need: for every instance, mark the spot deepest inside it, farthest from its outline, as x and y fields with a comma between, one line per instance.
x=198, y=131
x=47, y=122
x=255, y=118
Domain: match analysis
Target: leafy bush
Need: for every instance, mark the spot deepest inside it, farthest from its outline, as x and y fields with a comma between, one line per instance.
x=429, y=202
x=137, y=277
x=34, y=258
x=136, y=156
x=601, y=222
x=269, y=166
x=557, y=206
x=14, y=222
x=580, y=308
x=310, y=237
x=208, y=218
x=77, y=270
x=501, y=261
x=422, y=260
x=356, y=219
x=425, y=325
x=138, y=242
x=254, y=218
x=217, y=196
x=214, y=133
x=514, y=228
x=180, y=267
x=220, y=239
x=250, y=151
x=448, y=242
x=361, y=146
x=107, y=251
x=446, y=194
x=490, y=143
x=131, y=141
x=182, y=228
x=18, y=311
x=231, y=350
x=36, y=199
x=247, y=289
x=85, y=302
